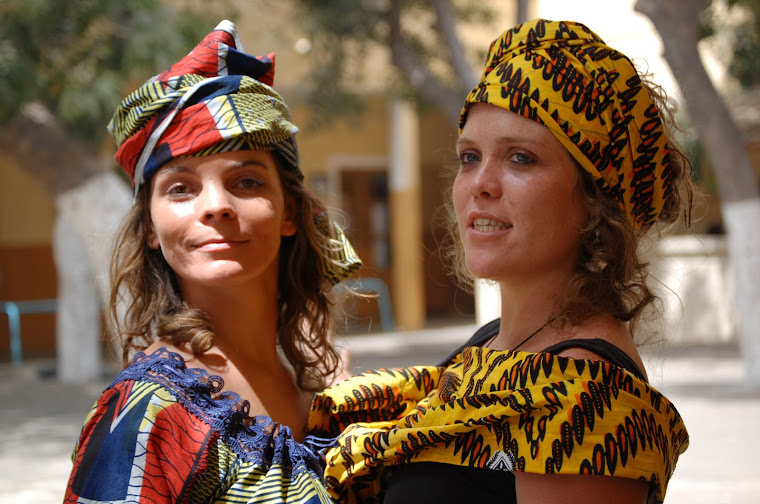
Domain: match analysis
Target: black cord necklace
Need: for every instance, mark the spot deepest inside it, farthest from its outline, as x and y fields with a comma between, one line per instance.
x=534, y=333
x=526, y=339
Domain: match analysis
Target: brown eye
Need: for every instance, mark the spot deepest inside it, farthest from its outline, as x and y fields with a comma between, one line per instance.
x=249, y=183
x=178, y=189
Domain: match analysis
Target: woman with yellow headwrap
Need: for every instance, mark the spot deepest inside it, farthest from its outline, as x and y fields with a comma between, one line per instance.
x=225, y=264
x=566, y=160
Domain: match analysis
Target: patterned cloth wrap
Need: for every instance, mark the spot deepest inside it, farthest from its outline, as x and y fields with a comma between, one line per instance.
x=163, y=433
x=563, y=75
x=215, y=99
x=498, y=410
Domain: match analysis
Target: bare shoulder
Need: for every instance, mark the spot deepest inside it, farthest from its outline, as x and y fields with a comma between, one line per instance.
x=161, y=344
x=605, y=328
x=581, y=489
x=212, y=361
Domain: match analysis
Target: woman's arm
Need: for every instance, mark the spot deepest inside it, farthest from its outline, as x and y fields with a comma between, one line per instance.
x=533, y=488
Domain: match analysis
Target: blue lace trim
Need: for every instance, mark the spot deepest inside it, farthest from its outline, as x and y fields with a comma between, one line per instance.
x=257, y=439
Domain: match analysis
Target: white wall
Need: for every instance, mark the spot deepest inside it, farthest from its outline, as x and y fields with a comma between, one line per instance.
x=692, y=276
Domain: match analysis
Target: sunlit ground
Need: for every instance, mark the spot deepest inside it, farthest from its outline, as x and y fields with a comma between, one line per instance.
x=40, y=419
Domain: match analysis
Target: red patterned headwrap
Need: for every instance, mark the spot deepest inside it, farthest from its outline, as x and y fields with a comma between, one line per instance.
x=215, y=99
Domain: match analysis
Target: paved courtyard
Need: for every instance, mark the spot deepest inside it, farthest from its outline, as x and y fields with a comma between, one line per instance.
x=40, y=418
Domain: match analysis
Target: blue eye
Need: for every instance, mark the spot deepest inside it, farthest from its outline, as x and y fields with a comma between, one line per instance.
x=467, y=158
x=522, y=158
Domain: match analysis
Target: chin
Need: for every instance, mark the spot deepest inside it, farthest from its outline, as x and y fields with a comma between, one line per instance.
x=484, y=272
x=215, y=278
x=486, y=266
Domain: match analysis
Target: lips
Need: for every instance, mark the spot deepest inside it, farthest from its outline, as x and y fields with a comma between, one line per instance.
x=488, y=225
x=219, y=244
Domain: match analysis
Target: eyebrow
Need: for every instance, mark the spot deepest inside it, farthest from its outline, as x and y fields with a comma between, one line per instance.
x=249, y=162
x=180, y=168
x=174, y=168
x=504, y=139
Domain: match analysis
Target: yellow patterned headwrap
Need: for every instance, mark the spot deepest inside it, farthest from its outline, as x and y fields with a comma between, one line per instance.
x=562, y=75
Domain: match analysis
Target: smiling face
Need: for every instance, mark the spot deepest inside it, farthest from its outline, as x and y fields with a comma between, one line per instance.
x=219, y=219
x=517, y=198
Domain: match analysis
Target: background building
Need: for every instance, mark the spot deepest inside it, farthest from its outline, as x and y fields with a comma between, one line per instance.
x=387, y=169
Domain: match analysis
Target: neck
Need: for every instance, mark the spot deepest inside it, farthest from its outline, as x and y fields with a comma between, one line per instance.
x=526, y=307
x=244, y=320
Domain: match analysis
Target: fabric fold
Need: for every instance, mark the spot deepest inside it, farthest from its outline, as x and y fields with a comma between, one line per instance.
x=499, y=410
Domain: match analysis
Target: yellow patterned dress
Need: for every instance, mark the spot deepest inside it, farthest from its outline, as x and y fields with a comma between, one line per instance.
x=498, y=410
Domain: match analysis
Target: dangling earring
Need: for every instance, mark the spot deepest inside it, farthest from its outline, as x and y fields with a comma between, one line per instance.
x=596, y=264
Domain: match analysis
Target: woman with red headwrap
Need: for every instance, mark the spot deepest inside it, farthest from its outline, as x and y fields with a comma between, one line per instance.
x=566, y=160
x=225, y=264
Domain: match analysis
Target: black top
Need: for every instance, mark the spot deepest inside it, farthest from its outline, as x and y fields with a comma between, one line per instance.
x=436, y=483
x=600, y=347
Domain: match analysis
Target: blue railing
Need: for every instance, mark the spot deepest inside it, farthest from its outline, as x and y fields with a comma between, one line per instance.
x=14, y=310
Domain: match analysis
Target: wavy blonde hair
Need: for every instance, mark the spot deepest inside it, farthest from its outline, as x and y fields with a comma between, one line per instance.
x=143, y=281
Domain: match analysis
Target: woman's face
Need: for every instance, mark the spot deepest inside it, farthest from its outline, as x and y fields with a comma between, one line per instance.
x=220, y=218
x=517, y=198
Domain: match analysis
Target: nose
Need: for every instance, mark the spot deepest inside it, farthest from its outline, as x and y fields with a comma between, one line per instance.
x=216, y=203
x=486, y=181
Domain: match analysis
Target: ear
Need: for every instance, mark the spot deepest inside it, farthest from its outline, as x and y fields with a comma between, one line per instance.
x=288, y=225
x=151, y=239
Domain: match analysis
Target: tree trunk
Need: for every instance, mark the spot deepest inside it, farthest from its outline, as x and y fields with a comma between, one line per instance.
x=90, y=201
x=676, y=21
x=77, y=323
x=448, y=99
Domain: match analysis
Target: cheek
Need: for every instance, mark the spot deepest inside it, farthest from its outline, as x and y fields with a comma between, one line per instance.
x=459, y=198
x=577, y=213
x=168, y=222
x=569, y=217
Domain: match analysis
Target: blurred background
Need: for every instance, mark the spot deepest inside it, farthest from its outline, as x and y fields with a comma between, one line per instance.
x=376, y=87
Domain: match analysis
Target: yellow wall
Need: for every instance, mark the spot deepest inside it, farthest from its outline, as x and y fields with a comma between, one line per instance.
x=26, y=210
x=27, y=270
x=357, y=136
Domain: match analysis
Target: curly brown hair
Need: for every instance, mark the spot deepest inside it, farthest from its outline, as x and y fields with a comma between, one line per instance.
x=145, y=288
x=610, y=275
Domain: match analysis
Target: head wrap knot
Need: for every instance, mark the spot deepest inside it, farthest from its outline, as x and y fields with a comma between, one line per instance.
x=215, y=99
x=563, y=75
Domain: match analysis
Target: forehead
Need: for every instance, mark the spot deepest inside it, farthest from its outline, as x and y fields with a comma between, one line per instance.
x=261, y=158
x=485, y=116
x=490, y=123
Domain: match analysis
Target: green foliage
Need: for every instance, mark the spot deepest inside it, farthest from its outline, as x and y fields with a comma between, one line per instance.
x=744, y=61
x=344, y=32
x=745, y=64
x=79, y=57
x=706, y=28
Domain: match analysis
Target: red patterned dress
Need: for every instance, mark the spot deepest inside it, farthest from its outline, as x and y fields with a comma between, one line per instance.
x=164, y=433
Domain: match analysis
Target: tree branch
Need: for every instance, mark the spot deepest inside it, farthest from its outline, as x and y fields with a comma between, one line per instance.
x=427, y=85
x=446, y=27
x=716, y=128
